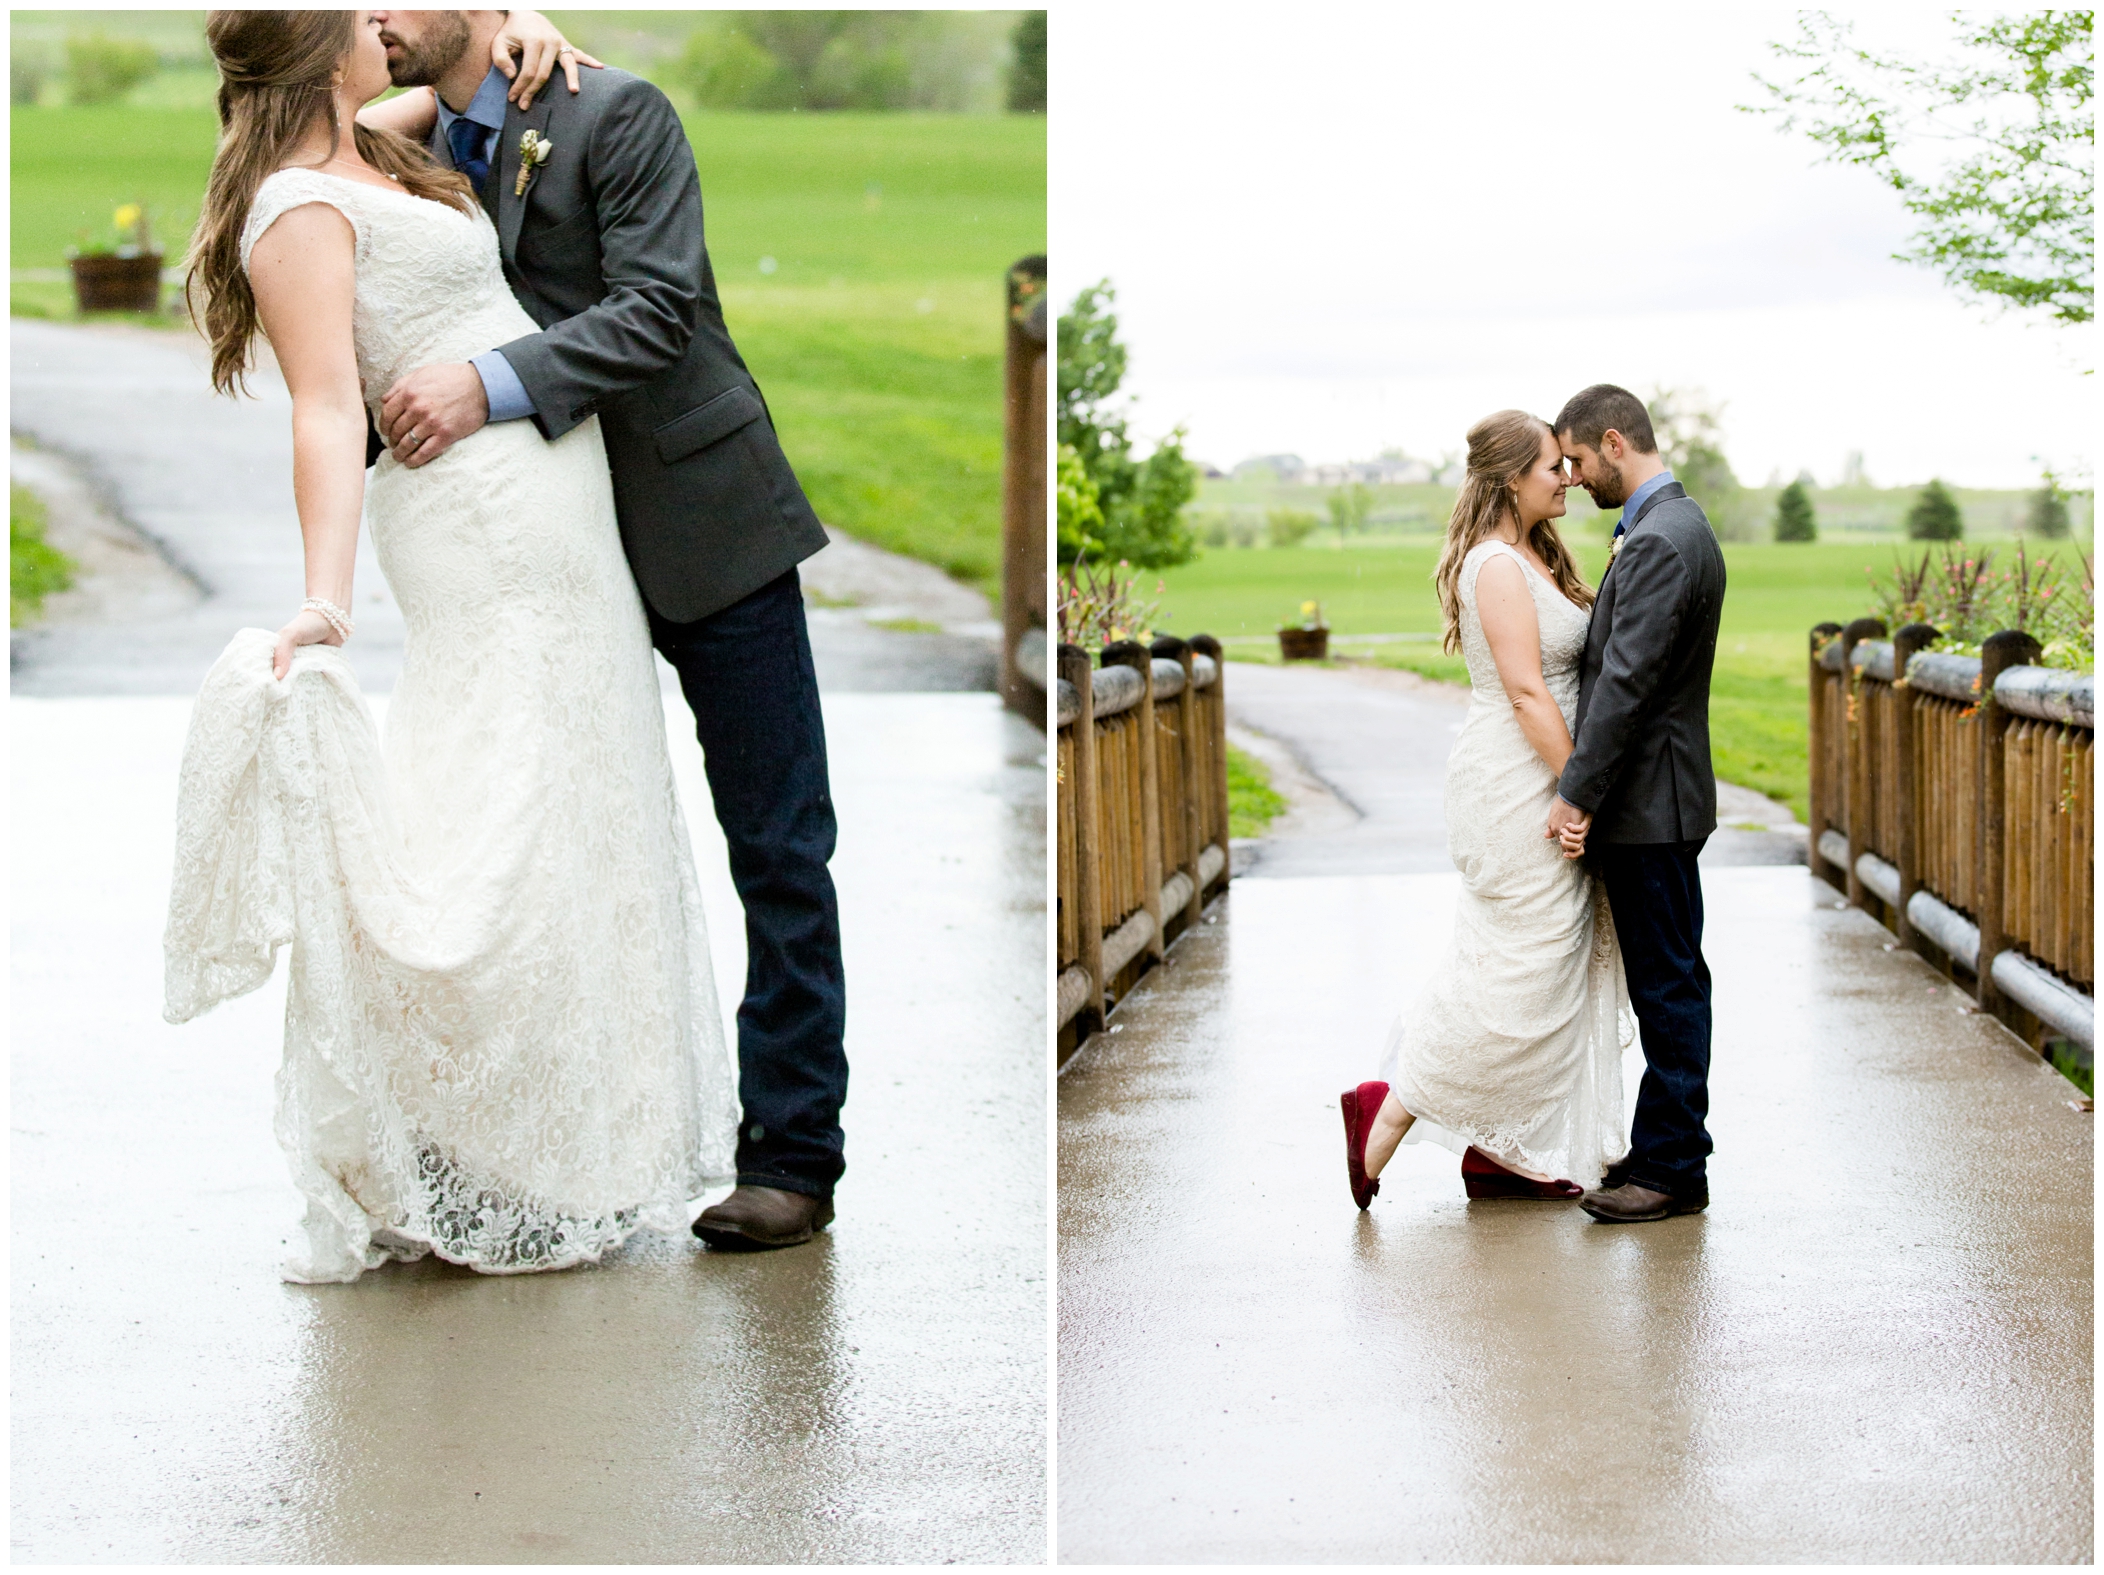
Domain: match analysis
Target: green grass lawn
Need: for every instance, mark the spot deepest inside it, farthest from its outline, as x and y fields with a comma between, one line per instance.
x=1758, y=693
x=1252, y=802
x=877, y=334
x=35, y=568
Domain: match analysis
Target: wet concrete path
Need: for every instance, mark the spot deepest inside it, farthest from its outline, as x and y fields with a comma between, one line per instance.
x=1875, y=1347
x=876, y=1396
x=1375, y=743
x=207, y=481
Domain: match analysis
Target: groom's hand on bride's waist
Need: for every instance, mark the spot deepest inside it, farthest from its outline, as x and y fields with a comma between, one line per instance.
x=429, y=410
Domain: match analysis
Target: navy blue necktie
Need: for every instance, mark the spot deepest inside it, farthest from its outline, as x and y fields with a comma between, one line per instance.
x=466, y=138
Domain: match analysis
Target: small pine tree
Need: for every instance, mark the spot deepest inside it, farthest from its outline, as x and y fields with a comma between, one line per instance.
x=2048, y=515
x=1026, y=71
x=1935, y=516
x=1794, y=520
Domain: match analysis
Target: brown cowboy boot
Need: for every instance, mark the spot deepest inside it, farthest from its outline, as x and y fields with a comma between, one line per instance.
x=1632, y=1203
x=753, y=1219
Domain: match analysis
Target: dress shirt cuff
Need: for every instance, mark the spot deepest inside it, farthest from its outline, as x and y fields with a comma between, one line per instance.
x=508, y=399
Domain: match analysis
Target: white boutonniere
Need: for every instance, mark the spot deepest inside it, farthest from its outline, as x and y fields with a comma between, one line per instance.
x=1615, y=546
x=533, y=153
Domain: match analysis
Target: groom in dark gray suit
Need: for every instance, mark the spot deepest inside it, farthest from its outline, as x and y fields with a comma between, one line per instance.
x=1639, y=788
x=602, y=243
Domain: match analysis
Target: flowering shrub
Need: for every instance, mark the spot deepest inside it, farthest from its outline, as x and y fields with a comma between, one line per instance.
x=1968, y=596
x=1097, y=605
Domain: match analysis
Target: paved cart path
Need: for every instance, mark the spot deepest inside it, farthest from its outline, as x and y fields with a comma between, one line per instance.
x=1875, y=1347
x=877, y=1396
x=208, y=482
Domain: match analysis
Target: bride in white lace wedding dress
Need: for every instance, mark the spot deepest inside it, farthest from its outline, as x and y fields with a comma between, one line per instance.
x=1514, y=1051
x=502, y=1042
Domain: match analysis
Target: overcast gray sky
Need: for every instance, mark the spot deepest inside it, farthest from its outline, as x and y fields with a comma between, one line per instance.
x=1339, y=228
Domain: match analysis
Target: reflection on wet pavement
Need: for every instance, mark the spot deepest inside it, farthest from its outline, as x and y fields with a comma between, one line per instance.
x=1875, y=1347
x=877, y=1396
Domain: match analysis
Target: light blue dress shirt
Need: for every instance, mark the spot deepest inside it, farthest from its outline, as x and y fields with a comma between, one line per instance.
x=508, y=399
x=1630, y=505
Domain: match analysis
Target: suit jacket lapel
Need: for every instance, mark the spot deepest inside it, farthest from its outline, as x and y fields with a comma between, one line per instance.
x=511, y=210
x=1671, y=489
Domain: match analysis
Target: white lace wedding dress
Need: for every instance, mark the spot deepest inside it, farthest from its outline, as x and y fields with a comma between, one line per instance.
x=1516, y=1047
x=502, y=1042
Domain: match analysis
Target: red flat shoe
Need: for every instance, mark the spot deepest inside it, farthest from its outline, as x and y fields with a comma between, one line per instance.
x=1484, y=1177
x=1361, y=1105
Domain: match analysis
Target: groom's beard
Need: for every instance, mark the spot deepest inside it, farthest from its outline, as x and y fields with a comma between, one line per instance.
x=1610, y=491
x=444, y=41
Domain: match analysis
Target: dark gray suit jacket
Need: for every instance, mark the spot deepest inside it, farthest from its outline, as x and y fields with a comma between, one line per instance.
x=1641, y=758
x=605, y=252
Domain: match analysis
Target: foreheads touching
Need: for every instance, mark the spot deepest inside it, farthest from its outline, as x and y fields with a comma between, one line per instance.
x=1602, y=430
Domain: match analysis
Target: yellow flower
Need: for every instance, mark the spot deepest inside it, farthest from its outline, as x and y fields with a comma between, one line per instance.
x=1306, y=608
x=126, y=216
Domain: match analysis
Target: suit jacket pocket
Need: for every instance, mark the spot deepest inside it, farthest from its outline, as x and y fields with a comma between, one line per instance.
x=705, y=424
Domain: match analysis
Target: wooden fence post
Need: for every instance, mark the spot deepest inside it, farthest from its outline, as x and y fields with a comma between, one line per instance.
x=1130, y=653
x=1910, y=639
x=1998, y=652
x=1821, y=790
x=1088, y=837
x=1855, y=756
x=1179, y=651
x=1023, y=565
x=1216, y=741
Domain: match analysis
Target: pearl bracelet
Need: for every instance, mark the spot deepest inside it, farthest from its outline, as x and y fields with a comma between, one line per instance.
x=339, y=620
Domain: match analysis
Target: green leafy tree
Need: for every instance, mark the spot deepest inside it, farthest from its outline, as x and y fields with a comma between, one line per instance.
x=2047, y=515
x=1689, y=426
x=1080, y=512
x=1992, y=151
x=1026, y=67
x=724, y=68
x=28, y=69
x=101, y=69
x=1934, y=515
x=1350, y=507
x=1142, y=500
x=1794, y=519
x=831, y=60
x=1290, y=527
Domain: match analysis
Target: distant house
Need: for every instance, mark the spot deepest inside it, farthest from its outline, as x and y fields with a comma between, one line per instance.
x=1271, y=467
x=1388, y=471
x=1208, y=470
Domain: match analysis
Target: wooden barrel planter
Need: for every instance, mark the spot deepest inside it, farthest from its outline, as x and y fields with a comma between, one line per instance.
x=1303, y=645
x=109, y=283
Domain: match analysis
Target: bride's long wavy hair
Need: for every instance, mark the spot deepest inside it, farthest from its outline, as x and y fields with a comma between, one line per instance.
x=275, y=74
x=1501, y=448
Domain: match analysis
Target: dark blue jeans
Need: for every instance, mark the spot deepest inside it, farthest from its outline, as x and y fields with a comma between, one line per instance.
x=746, y=672
x=1656, y=893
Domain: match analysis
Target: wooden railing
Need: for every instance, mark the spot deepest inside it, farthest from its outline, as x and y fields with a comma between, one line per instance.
x=1952, y=797
x=1142, y=756
x=1024, y=569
